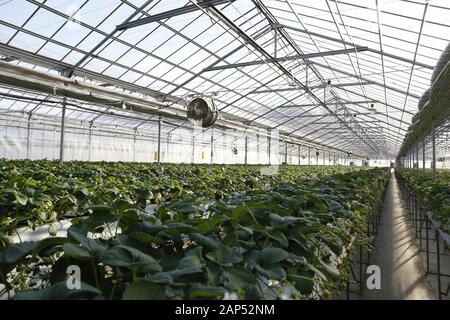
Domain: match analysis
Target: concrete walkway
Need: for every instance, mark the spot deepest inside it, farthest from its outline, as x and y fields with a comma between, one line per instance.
x=397, y=254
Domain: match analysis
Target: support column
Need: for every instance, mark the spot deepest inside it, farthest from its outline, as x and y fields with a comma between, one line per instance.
x=434, y=147
x=317, y=157
x=269, y=140
x=90, y=141
x=286, y=153
x=417, y=154
x=193, y=144
x=212, y=145
x=159, y=139
x=423, y=153
x=323, y=156
x=257, y=148
x=299, y=154
x=411, y=159
x=134, y=144
x=309, y=156
x=28, y=136
x=63, y=123
x=246, y=148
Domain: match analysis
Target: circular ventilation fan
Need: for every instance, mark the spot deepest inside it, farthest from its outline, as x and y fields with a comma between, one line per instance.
x=204, y=111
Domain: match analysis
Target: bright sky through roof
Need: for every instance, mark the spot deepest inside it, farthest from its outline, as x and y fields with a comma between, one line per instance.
x=170, y=56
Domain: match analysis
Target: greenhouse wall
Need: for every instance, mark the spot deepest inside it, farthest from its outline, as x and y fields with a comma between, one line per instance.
x=40, y=139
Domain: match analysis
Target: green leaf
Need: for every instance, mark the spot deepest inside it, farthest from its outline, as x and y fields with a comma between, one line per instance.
x=94, y=247
x=204, y=292
x=190, y=262
x=16, y=252
x=59, y=291
x=303, y=281
x=278, y=236
x=253, y=292
x=206, y=241
x=287, y=220
x=270, y=256
x=20, y=197
x=272, y=272
x=159, y=278
x=178, y=228
x=239, y=276
x=98, y=218
x=143, y=290
x=131, y=258
x=244, y=233
x=330, y=269
x=76, y=251
x=146, y=238
x=226, y=256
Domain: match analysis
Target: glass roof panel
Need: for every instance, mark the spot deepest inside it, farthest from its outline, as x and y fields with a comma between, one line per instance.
x=404, y=40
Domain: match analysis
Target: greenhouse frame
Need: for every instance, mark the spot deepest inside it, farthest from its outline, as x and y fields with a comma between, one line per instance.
x=280, y=91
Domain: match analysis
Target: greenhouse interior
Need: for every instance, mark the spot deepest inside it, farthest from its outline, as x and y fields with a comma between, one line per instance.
x=225, y=150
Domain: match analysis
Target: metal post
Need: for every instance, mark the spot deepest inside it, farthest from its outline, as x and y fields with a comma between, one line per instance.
x=90, y=141
x=413, y=157
x=434, y=147
x=323, y=156
x=423, y=153
x=286, y=153
x=159, y=139
x=427, y=226
x=309, y=156
x=438, y=262
x=269, y=146
x=61, y=141
x=193, y=144
x=134, y=144
x=168, y=158
x=417, y=154
x=246, y=148
x=360, y=268
x=409, y=159
x=28, y=135
x=212, y=145
x=299, y=154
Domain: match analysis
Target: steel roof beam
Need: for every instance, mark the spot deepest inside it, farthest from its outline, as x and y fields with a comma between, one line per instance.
x=288, y=58
x=365, y=79
x=379, y=101
x=172, y=13
x=393, y=56
x=320, y=86
x=330, y=104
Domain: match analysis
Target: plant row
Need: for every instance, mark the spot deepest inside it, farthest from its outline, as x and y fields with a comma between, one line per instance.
x=282, y=243
x=432, y=190
x=34, y=193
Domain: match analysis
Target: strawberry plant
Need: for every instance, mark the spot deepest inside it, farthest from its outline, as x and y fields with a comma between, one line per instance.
x=432, y=189
x=278, y=241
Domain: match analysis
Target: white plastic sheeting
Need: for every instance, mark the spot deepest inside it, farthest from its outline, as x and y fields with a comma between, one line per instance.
x=39, y=138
